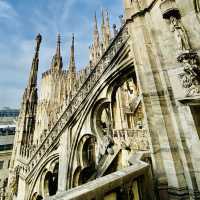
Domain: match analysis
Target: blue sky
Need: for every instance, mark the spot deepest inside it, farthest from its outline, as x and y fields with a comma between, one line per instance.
x=21, y=20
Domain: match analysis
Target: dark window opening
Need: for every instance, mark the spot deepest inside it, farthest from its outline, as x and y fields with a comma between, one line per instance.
x=1, y=164
x=195, y=110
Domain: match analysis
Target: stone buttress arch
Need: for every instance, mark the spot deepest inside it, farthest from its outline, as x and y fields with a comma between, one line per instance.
x=124, y=67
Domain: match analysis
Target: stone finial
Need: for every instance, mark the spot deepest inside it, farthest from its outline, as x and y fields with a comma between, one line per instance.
x=38, y=42
x=57, y=64
x=107, y=18
x=95, y=22
x=115, y=31
x=72, y=66
x=121, y=18
x=58, y=45
x=103, y=17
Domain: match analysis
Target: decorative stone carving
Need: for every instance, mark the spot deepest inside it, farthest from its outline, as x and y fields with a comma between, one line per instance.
x=190, y=77
x=135, y=138
x=191, y=69
x=180, y=34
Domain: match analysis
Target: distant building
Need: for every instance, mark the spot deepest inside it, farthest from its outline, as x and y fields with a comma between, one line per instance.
x=125, y=127
x=7, y=131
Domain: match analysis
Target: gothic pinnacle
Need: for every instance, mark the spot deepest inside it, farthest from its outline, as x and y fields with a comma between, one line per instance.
x=58, y=45
x=38, y=42
x=96, y=33
x=95, y=23
x=107, y=20
x=57, y=64
x=72, y=57
x=35, y=63
x=103, y=17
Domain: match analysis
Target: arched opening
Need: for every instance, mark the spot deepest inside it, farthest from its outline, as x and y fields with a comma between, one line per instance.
x=55, y=178
x=85, y=175
x=103, y=119
x=51, y=182
x=48, y=180
x=126, y=105
x=88, y=152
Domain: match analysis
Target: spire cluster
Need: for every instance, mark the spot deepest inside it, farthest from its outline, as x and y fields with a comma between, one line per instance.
x=58, y=86
x=100, y=44
x=72, y=66
x=30, y=100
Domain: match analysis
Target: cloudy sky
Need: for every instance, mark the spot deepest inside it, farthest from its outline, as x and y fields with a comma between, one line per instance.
x=21, y=20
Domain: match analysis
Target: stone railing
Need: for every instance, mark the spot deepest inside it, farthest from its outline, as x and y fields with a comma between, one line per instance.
x=38, y=151
x=137, y=139
x=134, y=182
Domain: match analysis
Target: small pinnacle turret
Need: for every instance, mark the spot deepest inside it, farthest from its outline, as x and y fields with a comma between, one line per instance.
x=30, y=100
x=95, y=48
x=72, y=66
x=34, y=68
x=57, y=59
x=58, y=54
x=96, y=32
x=71, y=70
x=105, y=29
x=108, y=24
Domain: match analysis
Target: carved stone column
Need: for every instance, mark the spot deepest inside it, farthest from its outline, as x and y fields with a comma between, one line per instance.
x=190, y=81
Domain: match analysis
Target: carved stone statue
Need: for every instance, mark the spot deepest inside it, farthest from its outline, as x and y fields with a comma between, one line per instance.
x=180, y=34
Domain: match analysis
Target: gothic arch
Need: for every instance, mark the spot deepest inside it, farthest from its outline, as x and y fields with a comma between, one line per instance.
x=96, y=123
x=40, y=175
x=86, y=150
x=122, y=66
x=129, y=72
x=50, y=180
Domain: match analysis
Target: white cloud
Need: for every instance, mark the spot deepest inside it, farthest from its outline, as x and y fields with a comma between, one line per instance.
x=20, y=28
x=6, y=10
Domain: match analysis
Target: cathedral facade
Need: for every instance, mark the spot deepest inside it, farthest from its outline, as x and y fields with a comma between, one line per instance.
x=125, y=127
